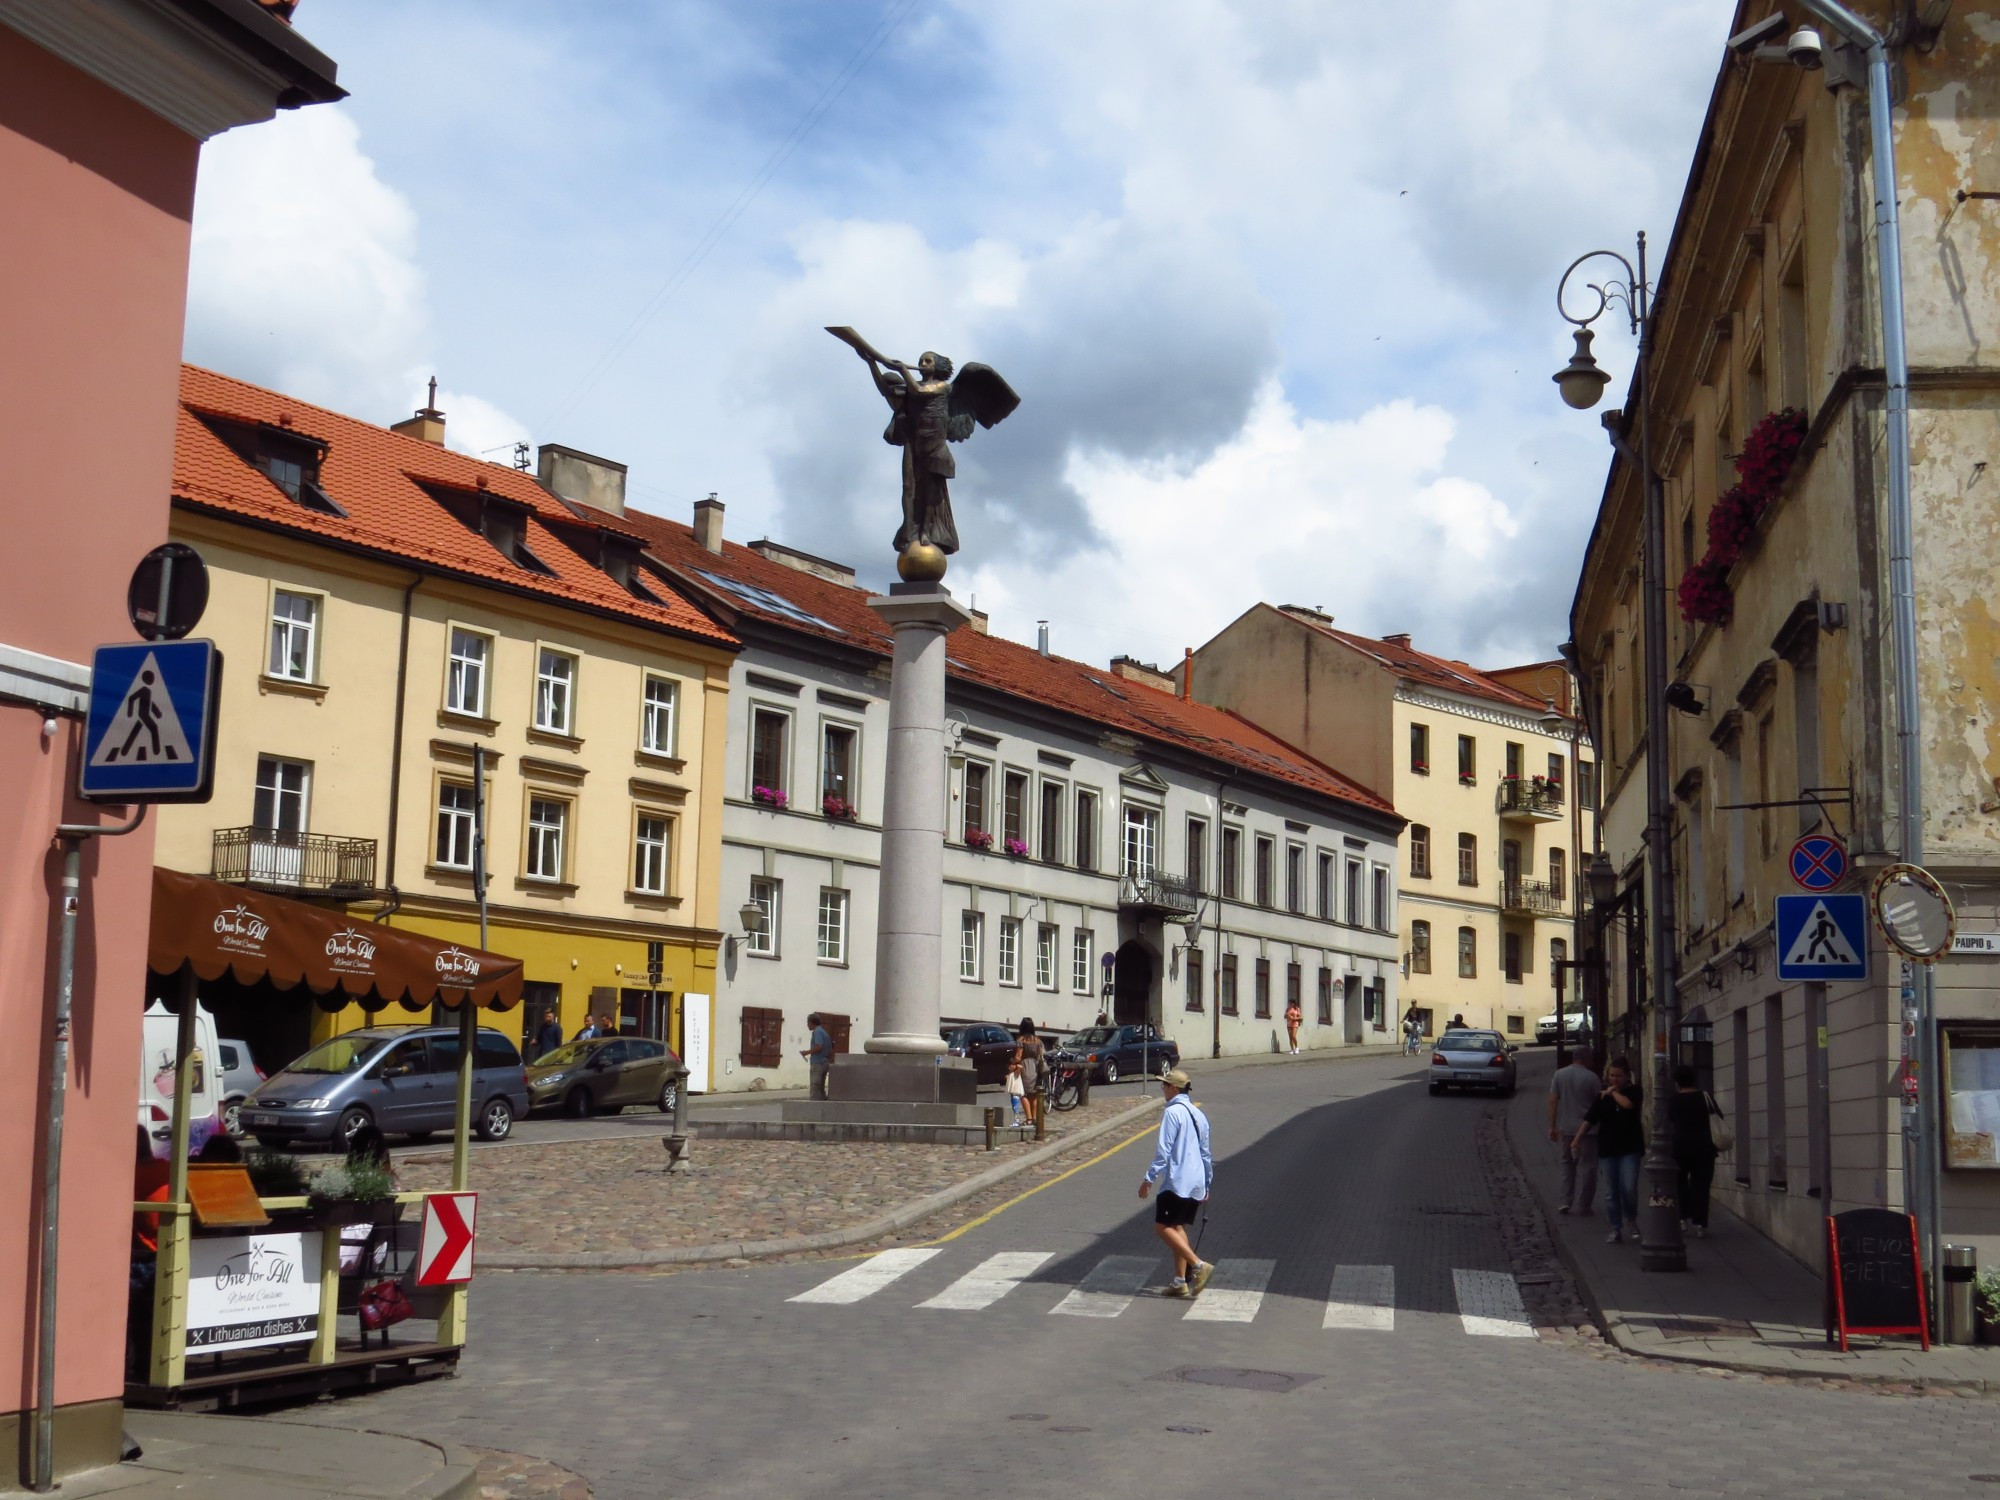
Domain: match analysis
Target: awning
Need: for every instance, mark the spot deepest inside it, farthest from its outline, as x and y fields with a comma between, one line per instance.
x=226, y=929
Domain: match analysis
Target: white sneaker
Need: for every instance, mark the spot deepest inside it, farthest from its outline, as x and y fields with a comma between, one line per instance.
x=1614, y=1237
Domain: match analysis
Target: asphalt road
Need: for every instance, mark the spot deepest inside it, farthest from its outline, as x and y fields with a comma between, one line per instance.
x=1344, y=1192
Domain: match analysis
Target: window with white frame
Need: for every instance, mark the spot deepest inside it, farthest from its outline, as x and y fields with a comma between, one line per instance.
x=770, y=733
x=1010, y=950
x=294, y=631
x=1142, y=841
x=1082, y=942
x=1295, y=877
x=465, y=681
x=832, y=925
x=1045, y=956
x=548, y=834
x=978, y=788
x=839, y=744
x=1325, y=866
x=767, y=896
x=971, y=945
x=283, y=790
x=1086, y=830
x=657, y=715
x=555, y=692
x=651, y=840
x=1357, y=916
x=1381, y=894
x=1265, y=872
x=454, y=825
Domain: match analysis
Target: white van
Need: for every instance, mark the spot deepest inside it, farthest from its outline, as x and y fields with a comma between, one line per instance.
x=156, y=1079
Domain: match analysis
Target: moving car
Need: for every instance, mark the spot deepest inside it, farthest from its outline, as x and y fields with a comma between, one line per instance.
x=401, y=1079
x=1472, y=1060
x=1578, y=1024
x=240, y=1077
x=989, y=1046
x=603, y=1074
x=1113, y=1052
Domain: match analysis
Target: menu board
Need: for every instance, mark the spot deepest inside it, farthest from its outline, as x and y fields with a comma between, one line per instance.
x=250, y=1290
x=1972, y=1099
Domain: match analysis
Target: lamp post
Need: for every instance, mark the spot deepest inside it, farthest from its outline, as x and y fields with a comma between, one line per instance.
x=1582, y=383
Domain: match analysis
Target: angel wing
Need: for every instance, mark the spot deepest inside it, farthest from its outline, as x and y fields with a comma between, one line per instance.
x=978, y=394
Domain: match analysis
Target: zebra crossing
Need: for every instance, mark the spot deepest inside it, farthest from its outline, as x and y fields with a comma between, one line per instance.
x=1358, y=1298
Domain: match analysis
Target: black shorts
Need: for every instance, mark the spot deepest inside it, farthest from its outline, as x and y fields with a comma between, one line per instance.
x=1172, y=1208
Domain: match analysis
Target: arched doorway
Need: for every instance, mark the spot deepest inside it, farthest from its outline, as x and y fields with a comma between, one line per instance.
x=1132, y=980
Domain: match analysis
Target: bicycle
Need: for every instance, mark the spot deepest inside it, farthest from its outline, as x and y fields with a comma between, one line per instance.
x=1065, y=1085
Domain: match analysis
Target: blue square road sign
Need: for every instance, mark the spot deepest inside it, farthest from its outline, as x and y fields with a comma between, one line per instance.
x=150, y=732
x=1822, y=937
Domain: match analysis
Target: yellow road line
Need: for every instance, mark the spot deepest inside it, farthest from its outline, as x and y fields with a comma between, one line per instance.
x=1023, y=1197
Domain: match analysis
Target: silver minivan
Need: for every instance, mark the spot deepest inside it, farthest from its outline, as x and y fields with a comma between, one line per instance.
x=403, y=1080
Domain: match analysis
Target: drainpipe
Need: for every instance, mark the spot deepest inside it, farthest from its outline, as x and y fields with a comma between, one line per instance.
x=396, y=746
x=71, y=837
x=1215, y=1000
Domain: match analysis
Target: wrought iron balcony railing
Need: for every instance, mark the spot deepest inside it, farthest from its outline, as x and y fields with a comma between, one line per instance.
x=1531, y=898
x=1535, y=800
x=275, y=860
x=1173, y=896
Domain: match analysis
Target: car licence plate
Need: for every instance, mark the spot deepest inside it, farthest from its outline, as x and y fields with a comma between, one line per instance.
x=1469, y=1077
x=258, y=1119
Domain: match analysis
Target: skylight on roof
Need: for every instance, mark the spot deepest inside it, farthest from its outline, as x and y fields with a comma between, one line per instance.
x=765, y=600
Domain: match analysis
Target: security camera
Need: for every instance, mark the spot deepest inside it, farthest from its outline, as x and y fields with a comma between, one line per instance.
x=1805, y=48
x=1766, y=30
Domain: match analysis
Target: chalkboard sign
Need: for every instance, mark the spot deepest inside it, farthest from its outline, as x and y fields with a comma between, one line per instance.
x=1873, y=1285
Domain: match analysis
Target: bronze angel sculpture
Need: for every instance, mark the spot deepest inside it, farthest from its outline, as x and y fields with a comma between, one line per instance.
x=932, y=410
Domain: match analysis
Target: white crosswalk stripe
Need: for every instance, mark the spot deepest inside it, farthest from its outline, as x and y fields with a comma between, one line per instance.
x=1234, y=1292
x=867, y=1278
x=1108, y=1288
x=1362, y=1297
x=1489, y=1305
x=989, y=1281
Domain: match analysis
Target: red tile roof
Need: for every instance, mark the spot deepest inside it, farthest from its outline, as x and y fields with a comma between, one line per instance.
x=1434, y=671
x=377, y=477
x=839, y=612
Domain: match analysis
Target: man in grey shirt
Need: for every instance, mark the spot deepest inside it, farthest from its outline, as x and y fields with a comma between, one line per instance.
x=1571, y=1093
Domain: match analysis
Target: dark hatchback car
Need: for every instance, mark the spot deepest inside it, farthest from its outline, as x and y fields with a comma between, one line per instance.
x=989, y=1046
x=602, y=1075
x=403, y=1080
x=1115, y=1052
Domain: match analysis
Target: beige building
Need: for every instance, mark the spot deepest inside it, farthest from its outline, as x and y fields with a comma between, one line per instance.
x=1485, y=765
x=1768, y=340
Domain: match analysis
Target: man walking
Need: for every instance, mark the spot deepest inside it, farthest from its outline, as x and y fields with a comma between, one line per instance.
x=819, y=1058
x=548, y=1036
x=1183, y=1161
x=1572, y=1090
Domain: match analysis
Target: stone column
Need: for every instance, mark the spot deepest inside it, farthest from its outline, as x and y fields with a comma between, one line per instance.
x=909, y=951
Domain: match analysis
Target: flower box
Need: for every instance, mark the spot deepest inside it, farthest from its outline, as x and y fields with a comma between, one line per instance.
x=978, y=838
x=1016, y=848
x=839, y=807
x=1762, y=468
x=769, y=796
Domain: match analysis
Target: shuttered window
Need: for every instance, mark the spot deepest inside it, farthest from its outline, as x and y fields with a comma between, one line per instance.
x=763, y=1038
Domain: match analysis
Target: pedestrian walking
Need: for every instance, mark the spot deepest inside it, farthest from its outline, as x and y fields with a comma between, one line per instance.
x=1571, y=1093
x=1185, y=1170
x=1293, y=1016
x=548, y=1036
x=819, y=1058
x=1032, y=1055
x=1621, y=1141
x=588, y=1029
x=1688, y=1114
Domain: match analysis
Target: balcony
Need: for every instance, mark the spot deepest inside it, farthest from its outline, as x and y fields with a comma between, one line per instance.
x=312, y=863
x=1536, y=801
x=1531, y=898
x=1170, y=897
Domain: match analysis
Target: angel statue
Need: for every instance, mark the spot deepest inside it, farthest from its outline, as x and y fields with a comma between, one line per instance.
x=932, y=410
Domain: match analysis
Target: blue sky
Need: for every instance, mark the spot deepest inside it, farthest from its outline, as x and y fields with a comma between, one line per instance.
x=1274, y=278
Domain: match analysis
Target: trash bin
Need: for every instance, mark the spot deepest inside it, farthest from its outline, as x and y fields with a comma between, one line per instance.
x=1961, y=1267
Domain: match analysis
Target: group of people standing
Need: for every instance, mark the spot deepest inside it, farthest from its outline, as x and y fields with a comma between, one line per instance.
x=1599, y=1126
x=547, y=1035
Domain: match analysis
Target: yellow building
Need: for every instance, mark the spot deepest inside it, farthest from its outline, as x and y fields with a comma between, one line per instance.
x=388, y=609
x=1485, y=765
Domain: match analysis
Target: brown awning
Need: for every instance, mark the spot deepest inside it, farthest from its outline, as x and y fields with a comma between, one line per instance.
x=226, y=929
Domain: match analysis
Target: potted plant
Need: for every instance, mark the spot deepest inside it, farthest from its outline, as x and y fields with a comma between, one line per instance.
x=1986, y=1305
x=274, y=1174
x=978, y=838
x=350, y=1192
x=1017, y=847
x=769, y=796
x=839, y=807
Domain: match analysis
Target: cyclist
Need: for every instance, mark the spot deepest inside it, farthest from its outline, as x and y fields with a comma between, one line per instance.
x=1413, y=1032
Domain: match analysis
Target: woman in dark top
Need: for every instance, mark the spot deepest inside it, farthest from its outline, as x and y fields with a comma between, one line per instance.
x=1694, y=1147
x=1620, y=1143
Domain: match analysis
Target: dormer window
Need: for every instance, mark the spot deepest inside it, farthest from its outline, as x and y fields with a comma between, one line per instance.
x=504, y=523
x=289, y=459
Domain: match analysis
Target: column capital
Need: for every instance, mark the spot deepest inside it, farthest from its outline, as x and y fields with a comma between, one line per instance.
x=925, y=604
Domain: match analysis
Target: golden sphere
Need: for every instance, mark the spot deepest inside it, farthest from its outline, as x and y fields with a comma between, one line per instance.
x=920, y=562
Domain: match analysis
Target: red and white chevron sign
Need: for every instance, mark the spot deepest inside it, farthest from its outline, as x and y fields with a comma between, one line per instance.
x=444, y=1254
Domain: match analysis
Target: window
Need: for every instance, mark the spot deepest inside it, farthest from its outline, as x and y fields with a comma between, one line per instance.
x=971, y=944
x=283, y=790
x=1054, y=794
x=1515, y=758
x=1014, y=808
x=548, y=829
x=1267, y=853
x=1295, y=877
x=1086, y=830
x=656, y=716
x=650, y=839
x=837, y=791
x=769, y=731
x=832, y=926
x=1232, y=863
x=1420, y=852
x=978, y=784
x=1325, y=906
x=1294, y=986
x=1420, y=749
x=1325, y=996
x=1805, y=727
x=1764, y=769
x=1517, y=1025
x=1732, y=766
x=1045, y=956
x=465, y=682
x=1420, y=947
x=1261, y=995
x=1468, y=953
x=1776, y=1119
x=1694, y=862
x=1558, y=956
x=1356, y=916
x=1010, y=950
x=454, y=826
x=555, y=692
x=1510, y=956
x=1468, y=760
x=1142, y=841
x=1468, y=859
x=768, y=897
x=294, y=622
x=1555, y=770
x=1586, y=785
x=1379, y=880
x=1225, y=983
x=1558, y=874
x=1192, y=960
x=1081, y=943
x=1197, y=854
x=763, y=1037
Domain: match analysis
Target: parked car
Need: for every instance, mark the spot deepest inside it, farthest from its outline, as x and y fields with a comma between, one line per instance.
x=603, y=1074
x=1578, y=1024
x=159, y=1044
x=1113, y=1052
x=1472, y=1060
x=990, y=1047
x=240, y=1077
x=401, y=1079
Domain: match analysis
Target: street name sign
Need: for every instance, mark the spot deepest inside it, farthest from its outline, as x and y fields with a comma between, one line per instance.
x=1822, y=937
x=149, y=735
x=1818, y=862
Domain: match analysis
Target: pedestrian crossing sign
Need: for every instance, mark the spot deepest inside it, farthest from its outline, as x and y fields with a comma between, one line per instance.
x=149, y=735
x=1822, y=937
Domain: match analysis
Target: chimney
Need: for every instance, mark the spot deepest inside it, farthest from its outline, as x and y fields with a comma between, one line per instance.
x=708, y=523
x=1133, y=670
x=981, y=621
x=1187, y=672
x=427, y=426
x=571, y=474
x=1313, y=614
x=1402, y=640
x=1042, y=636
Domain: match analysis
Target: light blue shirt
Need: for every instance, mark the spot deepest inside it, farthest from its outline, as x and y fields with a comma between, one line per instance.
x=1182, y=1157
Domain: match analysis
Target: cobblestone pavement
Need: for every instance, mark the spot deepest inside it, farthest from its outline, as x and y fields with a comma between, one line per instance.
x=515, y=1476
x=616, y=1194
